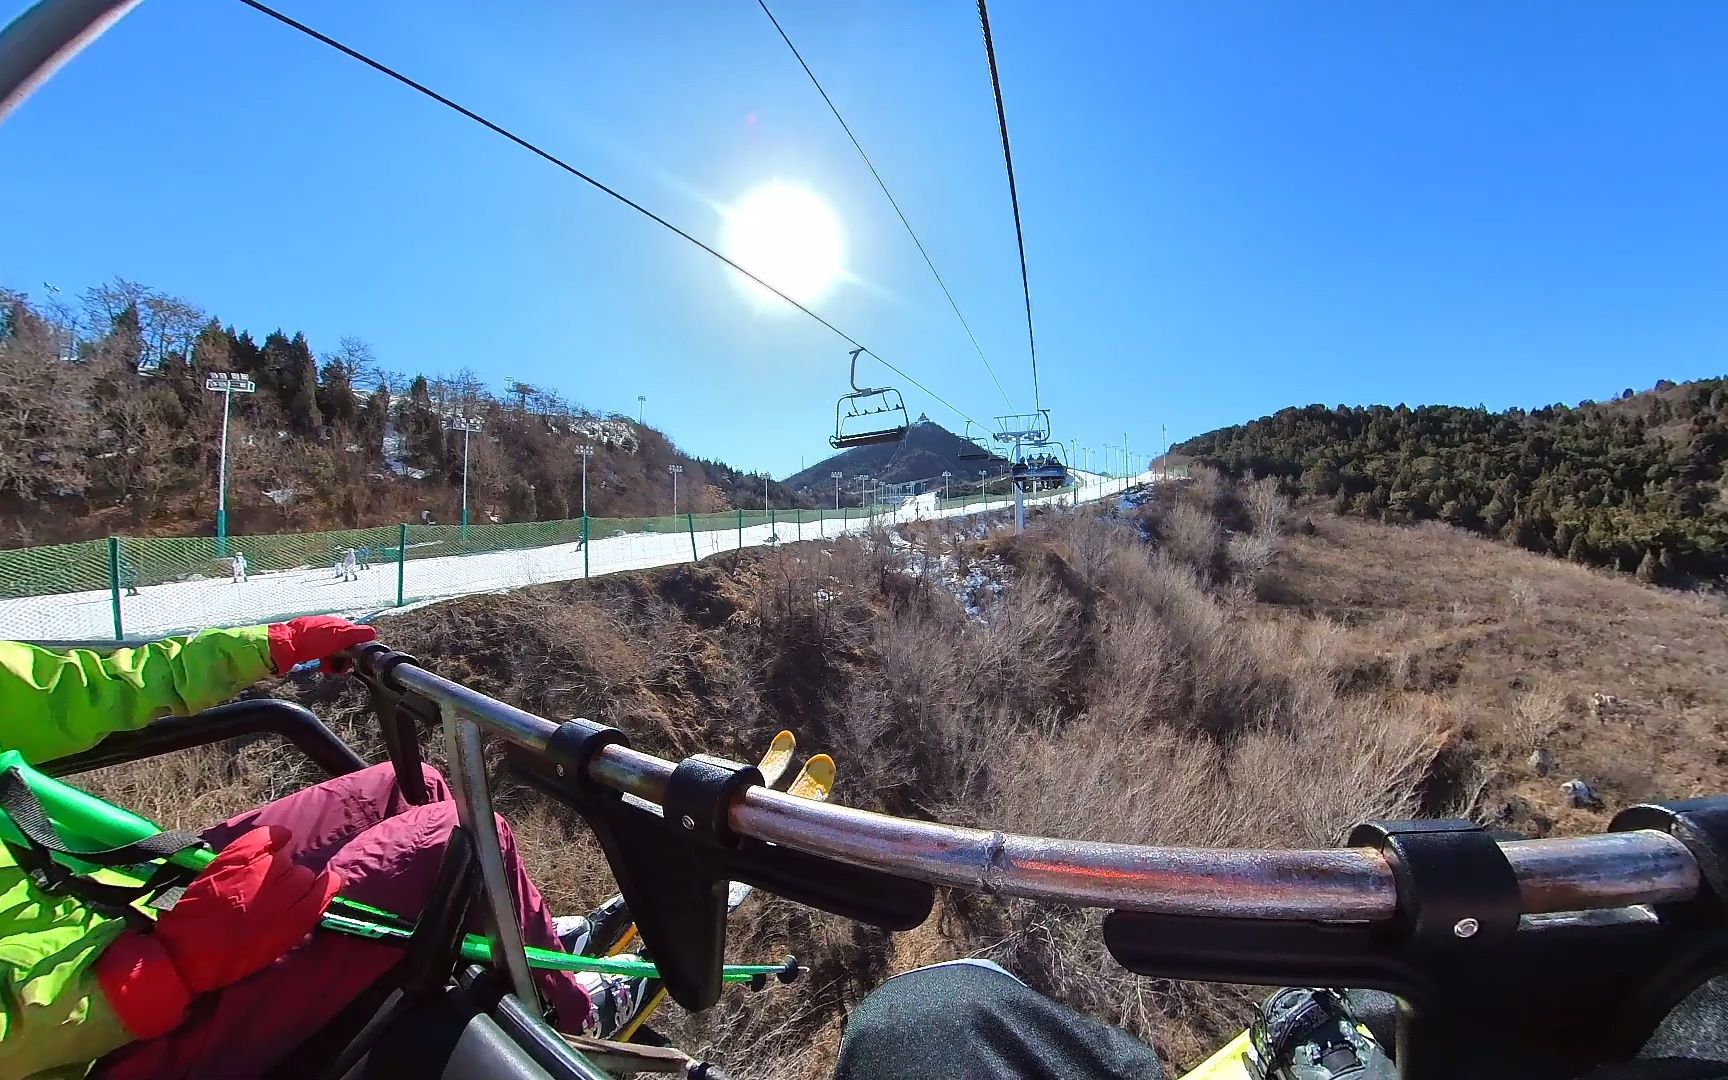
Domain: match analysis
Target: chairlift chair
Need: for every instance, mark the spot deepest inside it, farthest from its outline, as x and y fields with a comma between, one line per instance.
x=1047, y=468
x=975, y=450
x=856, y=409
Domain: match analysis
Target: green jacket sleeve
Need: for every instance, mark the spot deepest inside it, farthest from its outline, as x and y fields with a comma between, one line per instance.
x=54, y=704
x=59, y=1038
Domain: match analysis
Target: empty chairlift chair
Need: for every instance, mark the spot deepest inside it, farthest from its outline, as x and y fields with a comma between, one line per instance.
x=869, y=415
x=975, y=450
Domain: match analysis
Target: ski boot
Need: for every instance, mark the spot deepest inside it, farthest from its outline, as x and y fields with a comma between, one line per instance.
x=1305, y=1033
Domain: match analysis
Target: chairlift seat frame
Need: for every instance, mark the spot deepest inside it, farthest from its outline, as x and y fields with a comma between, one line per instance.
x=890, y=403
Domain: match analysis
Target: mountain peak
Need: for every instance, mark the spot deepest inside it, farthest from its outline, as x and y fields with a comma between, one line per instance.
x=928, y=451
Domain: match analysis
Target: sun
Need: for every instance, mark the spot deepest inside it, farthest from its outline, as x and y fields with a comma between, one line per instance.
x=788, y=236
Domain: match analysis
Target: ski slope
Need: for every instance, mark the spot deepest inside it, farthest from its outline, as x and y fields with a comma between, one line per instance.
x=205, y=602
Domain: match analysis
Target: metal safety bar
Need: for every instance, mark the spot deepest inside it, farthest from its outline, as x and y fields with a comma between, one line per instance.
x=1340, y=885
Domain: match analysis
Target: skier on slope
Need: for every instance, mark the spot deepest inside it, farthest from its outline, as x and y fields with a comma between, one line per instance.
x=227, y=983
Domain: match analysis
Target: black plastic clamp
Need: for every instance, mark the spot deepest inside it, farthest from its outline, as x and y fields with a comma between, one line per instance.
x=573, y=746
x=1455, y=886
x=701, y=791
x=1700, y=824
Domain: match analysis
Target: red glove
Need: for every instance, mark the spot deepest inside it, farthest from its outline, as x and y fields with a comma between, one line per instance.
x=315, y=637
x=246, y=909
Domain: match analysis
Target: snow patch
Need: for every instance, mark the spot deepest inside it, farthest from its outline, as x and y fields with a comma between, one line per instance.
x=394, y=445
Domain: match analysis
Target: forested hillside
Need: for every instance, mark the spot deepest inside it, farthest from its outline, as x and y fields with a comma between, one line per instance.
x=105, y=427
x=1637, y=483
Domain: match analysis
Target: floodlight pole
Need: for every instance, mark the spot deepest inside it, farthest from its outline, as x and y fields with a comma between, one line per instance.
x=466, y=425
x=836, y=477
x=222, y=477
x=946, y=476
x=584, y=452
x=674, y=470
x=641, y=404
x=227, y=384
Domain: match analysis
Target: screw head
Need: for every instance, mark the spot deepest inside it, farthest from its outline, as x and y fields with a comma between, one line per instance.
x=1466, y=928
x=690, y=823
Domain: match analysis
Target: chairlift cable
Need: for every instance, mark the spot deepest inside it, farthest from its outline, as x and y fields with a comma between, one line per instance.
x=497, y=129
x=1013, y=197
x=891, y=200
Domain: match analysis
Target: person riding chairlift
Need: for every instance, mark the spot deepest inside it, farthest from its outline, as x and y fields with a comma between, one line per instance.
x=231, y=979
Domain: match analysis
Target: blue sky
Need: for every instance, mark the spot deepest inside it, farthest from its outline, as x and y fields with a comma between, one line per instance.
x=1230, y=207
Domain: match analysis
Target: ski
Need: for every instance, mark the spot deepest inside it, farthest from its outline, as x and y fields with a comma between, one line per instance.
x=815, y=781
x=779, y=755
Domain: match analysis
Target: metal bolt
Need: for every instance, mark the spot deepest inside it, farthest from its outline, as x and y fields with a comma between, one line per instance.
x=690, y=823
x=1466, y=928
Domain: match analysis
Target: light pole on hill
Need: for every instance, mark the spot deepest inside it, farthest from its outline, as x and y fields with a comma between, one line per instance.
x=641, y=404
x=981, y=474
x=467, y=425
x=584, y=452
x=674, y=470
x=836, y=477
x=226, y=383
x=946, y=476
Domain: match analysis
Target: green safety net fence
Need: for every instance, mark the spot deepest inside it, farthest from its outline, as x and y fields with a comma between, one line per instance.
x=152, y=585
x=55, y=568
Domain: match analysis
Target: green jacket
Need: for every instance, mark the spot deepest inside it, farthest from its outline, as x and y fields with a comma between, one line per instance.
x=53, y=1020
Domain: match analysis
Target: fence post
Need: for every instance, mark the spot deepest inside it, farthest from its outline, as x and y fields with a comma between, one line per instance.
x=114, y=584
x=584, y=545
x=740, y=528
x=690, y=519
x=401, y=559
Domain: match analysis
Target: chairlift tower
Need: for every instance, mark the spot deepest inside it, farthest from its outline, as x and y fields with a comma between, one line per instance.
x=1017, y=430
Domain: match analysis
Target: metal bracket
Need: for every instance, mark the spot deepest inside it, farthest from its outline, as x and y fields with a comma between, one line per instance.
x=673, y=867
x=400, y=712
x=1585, y=988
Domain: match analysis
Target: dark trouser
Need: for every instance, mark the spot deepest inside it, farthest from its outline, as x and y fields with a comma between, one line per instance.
x=972, y=1022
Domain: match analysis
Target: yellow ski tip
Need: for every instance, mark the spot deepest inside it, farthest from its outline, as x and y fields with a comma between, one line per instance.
x=815, y=780
x=778, y=757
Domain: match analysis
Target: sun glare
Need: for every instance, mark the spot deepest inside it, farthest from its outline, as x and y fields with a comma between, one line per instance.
x=788, y=236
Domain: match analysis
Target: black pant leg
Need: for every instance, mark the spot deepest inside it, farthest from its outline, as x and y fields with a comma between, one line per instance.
x=974, y=1023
